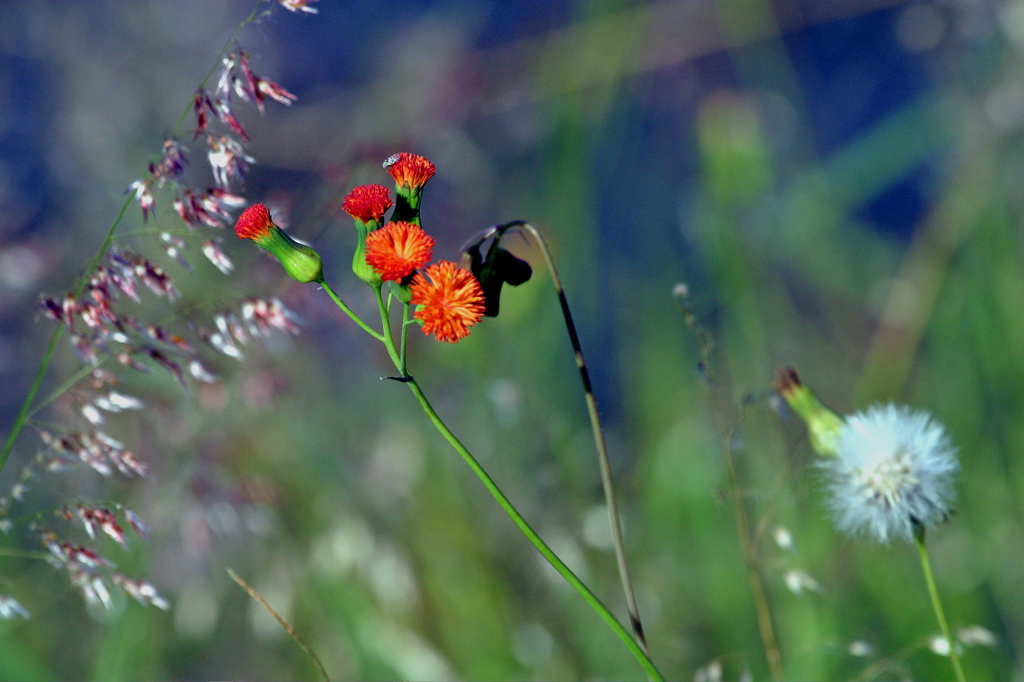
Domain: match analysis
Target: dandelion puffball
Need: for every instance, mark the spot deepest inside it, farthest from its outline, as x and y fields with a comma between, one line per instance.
x=894, y=468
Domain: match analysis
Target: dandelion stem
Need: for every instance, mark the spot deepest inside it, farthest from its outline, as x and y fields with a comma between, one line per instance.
x=348, y=311
x=933, y=593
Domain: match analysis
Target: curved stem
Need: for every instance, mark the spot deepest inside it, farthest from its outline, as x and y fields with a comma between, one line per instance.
x=598, y=435
x=531, y=535
x=933, y=593
x=283, y=622
x=399, y=359
x=385, y=321
x=348, y=311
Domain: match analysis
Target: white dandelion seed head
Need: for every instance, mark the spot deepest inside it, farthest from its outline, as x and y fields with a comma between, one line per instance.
x=893, y=466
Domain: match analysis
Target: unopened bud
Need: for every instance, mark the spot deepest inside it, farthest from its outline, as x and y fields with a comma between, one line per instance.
x=822, y=423
x=301, y=262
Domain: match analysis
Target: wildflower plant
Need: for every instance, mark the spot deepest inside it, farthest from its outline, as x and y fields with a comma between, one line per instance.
x=890, y=472
x=446, y=300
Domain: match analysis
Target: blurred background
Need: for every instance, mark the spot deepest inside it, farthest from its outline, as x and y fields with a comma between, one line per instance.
x=836, y=181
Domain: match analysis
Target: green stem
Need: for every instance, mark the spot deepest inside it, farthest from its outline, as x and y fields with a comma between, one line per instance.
x=531, y=535
x=26, y=406
x=535, y=540
x=385, y=321
x=65, y=385
x=933, y=593
x=720, y=409
x=348, y=311
x=404, y=337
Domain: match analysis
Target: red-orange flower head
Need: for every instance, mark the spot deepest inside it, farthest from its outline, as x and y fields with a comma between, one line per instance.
x=409, y=170
x=254, y=223
x=398, y=249
x=298, y=260
x=450, y=300
x=368, y=203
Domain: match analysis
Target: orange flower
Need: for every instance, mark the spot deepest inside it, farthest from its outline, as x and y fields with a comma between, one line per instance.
x=367, y=203
x=254, y=223
x=397, y=249
x=450, y=299
x=409, y=170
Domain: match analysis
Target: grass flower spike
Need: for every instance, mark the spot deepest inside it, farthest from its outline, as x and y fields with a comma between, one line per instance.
x=298, y=260
x=894, y=468
x=398, y=249
x=450, y=299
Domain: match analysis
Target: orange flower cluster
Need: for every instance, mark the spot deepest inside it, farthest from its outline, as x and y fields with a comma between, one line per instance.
x=449, y=297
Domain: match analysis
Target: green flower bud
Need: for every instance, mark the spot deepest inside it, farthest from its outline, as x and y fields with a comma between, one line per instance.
x=822, y=423
x=301, y=262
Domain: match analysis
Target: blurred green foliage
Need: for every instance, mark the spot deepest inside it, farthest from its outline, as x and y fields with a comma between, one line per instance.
x=329, y=492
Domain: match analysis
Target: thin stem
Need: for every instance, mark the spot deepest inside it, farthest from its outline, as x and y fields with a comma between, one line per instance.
x=762, y=608
x=399, y=359
x=385, y=321
x=531, y=535
x=224, y=50
x=51, y=346
x=348, y=311
x=26, y=405
x=65, y=385
x=599, y=441
x=24, y=553
x=284, y=623
x=933, y=593
x=404, y=337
